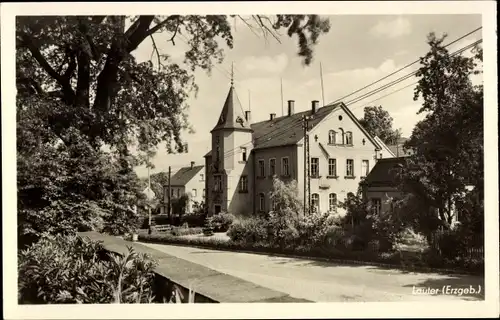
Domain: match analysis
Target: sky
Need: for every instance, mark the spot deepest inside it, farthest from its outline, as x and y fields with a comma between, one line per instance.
x=358, y=50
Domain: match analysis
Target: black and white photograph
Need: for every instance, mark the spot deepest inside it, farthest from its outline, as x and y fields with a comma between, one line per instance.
x=340, y=153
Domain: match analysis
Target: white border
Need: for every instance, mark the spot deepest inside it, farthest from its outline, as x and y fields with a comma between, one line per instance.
x=488, y=308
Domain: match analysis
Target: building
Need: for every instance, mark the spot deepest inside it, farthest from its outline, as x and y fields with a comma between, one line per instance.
x=188, y=180
x=381, y=183
x=245, y=156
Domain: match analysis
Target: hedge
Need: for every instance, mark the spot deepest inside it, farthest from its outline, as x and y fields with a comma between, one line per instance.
x=394, y=260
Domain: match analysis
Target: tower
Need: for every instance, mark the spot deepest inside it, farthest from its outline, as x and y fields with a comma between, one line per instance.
x=231, y=163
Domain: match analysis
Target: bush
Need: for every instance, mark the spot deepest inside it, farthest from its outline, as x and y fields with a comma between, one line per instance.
x=221, y=221
x=68, y=269
x=196, y=219
x=249, y=230
x=176, y=231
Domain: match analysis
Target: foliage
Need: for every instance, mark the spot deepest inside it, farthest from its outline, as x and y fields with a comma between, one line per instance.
x=448, y=142
x=221, y=222
x=68, y=269
x=248, y=230
x=83, y=66
x=66, y=188
x=80, y=91
x=185, y=231
x=378, y=122
x=179, y=205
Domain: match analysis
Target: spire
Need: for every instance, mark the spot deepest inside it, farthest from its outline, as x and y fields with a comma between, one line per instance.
x=232, y=115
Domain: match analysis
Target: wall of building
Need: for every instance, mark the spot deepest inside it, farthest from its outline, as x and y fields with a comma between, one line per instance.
x=234, y=167
x=195, y=189
x=360, y=149
x=265, y=184
x=382, y=193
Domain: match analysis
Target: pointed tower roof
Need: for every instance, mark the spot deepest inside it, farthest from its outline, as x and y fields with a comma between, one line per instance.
x=232, y=115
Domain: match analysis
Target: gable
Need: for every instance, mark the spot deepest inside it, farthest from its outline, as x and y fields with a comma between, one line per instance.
x=341, y=119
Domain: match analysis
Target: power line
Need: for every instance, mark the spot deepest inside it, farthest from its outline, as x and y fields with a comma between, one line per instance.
x=355, y=100
x=406, y=66
x=362, y=97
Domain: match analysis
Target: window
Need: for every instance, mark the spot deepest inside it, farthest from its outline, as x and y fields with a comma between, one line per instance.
x=262, y=202
x=178, y=193
x=332, y=202
x=365, y=168
x=272, y=167
x=314, y=167
x=244, y=154
x=341, y=136
x=218, y=183
x=194, y=193
x=202, y=177
x=243, y=184
x=348, y=138
x=315, y=202
x=332, y=167
x=376, y=205
x=262, y=168
x=350, y=168
x=285, y=170
x=172, y=192
x=332, y=137
x=274, y=204
x=217, y=155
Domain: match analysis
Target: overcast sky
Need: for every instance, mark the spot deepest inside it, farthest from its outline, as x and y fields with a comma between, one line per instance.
x=358, y=50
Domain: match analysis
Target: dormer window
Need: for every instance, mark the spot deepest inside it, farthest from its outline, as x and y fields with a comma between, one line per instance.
x=332, y=137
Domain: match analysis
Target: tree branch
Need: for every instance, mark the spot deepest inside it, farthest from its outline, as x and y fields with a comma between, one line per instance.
x=35, y=52
x=161, y=24
x=155, y=48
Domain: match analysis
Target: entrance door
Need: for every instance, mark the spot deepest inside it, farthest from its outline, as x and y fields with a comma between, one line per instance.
x=217, y=208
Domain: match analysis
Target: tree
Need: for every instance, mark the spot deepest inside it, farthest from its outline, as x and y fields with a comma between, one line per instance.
x=80, y=91
x=378, y=122
x=448, y=142
x=82, y=66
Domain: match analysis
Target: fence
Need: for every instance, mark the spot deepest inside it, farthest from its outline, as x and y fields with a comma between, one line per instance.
x=471, y=246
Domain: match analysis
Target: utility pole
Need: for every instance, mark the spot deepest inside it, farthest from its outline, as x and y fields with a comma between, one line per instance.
x=307, y=175
x=149, y=198
x=169, y=193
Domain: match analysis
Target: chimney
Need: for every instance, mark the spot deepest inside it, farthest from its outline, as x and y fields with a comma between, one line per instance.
x=247, y=116
x=192, y=164
x=291, y=107
x=314, y=106
x=272, y=116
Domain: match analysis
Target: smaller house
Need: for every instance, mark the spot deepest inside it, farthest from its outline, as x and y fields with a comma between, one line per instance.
x=188, y=181
x=398, y=148
x=380, y=185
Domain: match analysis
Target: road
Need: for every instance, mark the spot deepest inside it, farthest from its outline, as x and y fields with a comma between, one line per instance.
x=326, y=281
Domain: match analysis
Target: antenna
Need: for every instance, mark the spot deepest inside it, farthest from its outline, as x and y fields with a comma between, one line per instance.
x=232, y=74
x=249, y=101
x=282, y=112
x=322, y=88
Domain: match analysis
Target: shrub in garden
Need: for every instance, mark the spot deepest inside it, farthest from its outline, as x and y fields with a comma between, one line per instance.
x=249, y=230
x=220, y=222
x=68, y=269
x=185, y=231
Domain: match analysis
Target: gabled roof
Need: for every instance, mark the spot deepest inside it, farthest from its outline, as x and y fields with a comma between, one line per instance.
x=384, y=146
x=288, y=130
x=184, y=175
x=383, y=173
x=232, y=115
